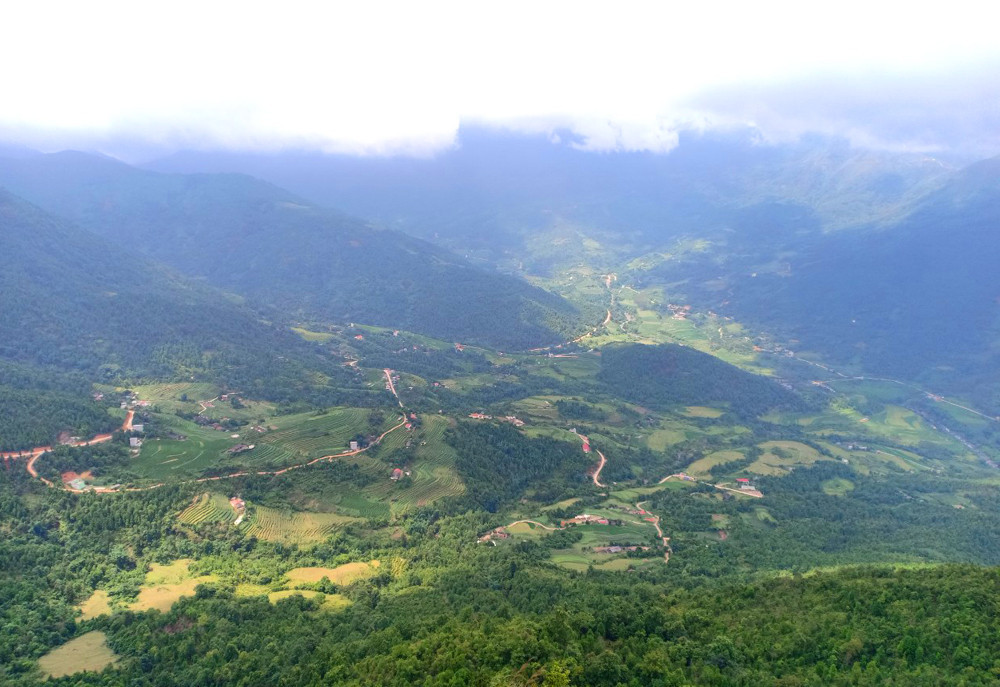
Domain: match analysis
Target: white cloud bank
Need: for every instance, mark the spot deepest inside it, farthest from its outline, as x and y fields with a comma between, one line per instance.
x=381, y=77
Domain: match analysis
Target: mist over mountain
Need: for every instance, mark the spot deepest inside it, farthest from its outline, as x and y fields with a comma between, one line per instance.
x=499, y=187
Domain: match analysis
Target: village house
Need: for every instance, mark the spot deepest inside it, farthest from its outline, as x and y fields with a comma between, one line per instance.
x=134, y=442
x=240, y=448
x=497, y=533
x=397, y=474
x=585, y=519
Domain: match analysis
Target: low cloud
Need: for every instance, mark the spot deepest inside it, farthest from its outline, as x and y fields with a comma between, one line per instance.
x=955, y=111
x=384, y=78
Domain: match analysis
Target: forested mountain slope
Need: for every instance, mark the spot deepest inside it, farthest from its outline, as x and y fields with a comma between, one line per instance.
x=72, y=302
x=919, y=299
x=253, y=238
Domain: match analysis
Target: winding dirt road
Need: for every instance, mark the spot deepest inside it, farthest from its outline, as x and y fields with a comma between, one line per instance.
x=597, y=473
x=269, y=473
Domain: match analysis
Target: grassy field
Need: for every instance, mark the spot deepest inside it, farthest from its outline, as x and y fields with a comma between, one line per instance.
x=701, y=467
x=581, y=555
x=702, y=411
x=838, y=486
x=97, y=605
x=661, y=439
x=781, y=457
x=165, y=584
x=319, y=337
x=296, y=438
x=171, y=459
x=88, y=652
x=341, y=575
x=291, y=526
x=328, y=602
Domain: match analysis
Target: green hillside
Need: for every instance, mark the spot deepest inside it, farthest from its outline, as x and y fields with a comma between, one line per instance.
x=260, y=241
x=70, y=301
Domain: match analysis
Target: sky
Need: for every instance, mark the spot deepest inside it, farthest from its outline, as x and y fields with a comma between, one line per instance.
x=138, y=79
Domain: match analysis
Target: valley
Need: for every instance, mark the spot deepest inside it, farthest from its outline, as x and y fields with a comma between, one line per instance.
x=616, y=440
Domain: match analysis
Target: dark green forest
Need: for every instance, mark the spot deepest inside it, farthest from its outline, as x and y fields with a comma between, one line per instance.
x=670, y=375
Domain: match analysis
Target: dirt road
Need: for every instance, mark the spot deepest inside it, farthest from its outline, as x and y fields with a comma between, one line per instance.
x=266, y=473
x=392, y=387
x=597, y=473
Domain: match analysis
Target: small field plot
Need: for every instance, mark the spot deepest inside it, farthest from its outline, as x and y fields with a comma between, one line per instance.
x=175, y=459
x=328, y=602
x=582, y=553
x=781, y=457
x=341, y=575
x=166, y=584
x=702, y=411
x=542, y=407
x=527, y=530
x=701, y=467
x=837, y=486
x=290, y=526
x=207, y=508
x=97, y=605
x=88, y=652
x=661, y=439
x=177, y=396
x=318, y=337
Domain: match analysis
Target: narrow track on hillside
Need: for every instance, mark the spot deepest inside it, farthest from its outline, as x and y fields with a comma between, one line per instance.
x=262, y=473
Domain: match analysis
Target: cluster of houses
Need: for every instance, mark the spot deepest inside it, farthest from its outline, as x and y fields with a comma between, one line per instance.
x=512, y=419
x=679, y=312
x=130, y=400
x=240, y=506
x=494, y=534
x=585, y=519
x=240, y=448
x=619, y=549
x=398, y=474
x=208, y=422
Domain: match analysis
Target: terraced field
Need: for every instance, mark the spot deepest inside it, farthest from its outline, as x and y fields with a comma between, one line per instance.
x=171, y=459
x=207, y=508
x=308, y=435
x=288, y=526
x=168, y=396
x=433, y=469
